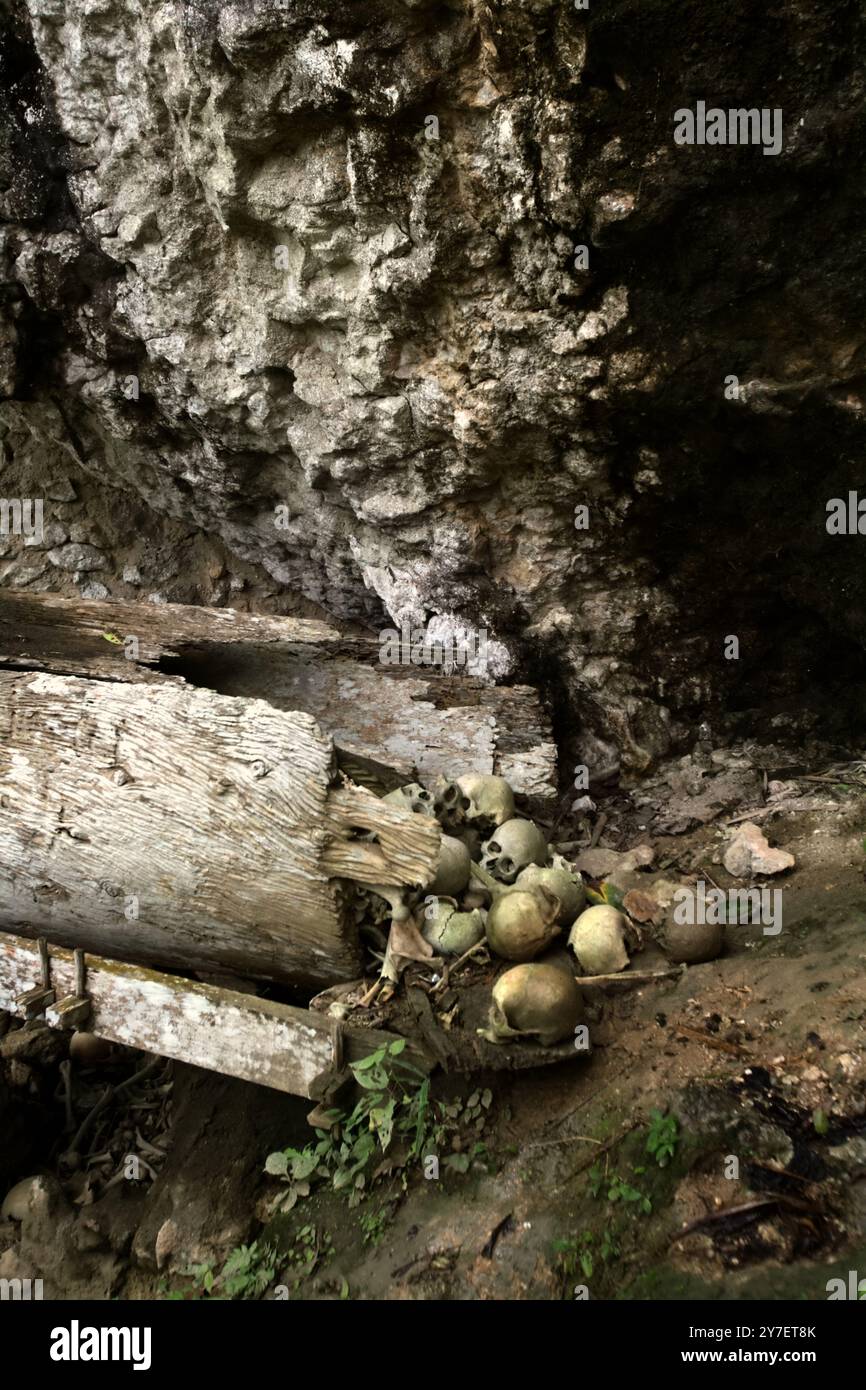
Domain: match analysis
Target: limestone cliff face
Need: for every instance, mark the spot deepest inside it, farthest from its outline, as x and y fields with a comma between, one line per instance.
x=325, y=257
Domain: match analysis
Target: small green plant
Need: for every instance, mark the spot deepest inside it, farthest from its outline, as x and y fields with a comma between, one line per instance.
x=577, y=1255
x=616, y=1189
x=609, y=1248
x=375, y=1223
x=395, y=1116
x=663, y=1136
x=307, y=1249
x=247, y=1272
x=573, y=1253
x=621, y=1191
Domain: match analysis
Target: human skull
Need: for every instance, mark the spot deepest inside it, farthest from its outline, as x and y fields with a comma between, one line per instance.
x=449, y=932
x=453, y=868
x=515, y=844
x=691, y=943
x=522, y=922
x=539, y=1000
x=566, y=885
x=412, y=797
x=598, y=939
x=491, y=799
x=450, y=805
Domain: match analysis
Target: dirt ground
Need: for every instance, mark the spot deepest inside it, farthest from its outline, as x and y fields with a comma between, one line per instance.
x=759, y=1055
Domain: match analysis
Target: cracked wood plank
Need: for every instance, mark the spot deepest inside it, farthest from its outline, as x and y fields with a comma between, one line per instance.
x=181, y=828
x=222, y=1030
x=389, y=723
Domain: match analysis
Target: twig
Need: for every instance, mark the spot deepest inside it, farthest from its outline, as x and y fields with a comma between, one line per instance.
x=746, y=1209
x=108, y=1094
x=66, y=1073
x=597, y=829
x=630, y=977
x=452, y=969
x=733, y=1049
x=372, y=992
x=742, y=1209
x=601, y=1151
x=758, y=814
x=566, y=1139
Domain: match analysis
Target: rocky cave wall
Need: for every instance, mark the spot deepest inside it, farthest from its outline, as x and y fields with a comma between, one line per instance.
x=242, y=274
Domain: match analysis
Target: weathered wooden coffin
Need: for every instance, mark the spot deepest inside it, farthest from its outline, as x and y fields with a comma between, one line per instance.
x=389, y=723
x=154, y=812
x=189, y=830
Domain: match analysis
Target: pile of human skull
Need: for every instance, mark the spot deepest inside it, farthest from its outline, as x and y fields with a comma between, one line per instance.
x=498, y=882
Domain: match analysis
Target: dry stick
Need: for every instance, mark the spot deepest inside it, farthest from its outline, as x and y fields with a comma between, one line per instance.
x=632, y=978
x=111, y=1091
x=66, y=1073
x=600, y=1152
x=597, y=829
x=758, y=814
x=743, y=1209
x=452, y=969
x=372, y=992
x=566, y=1139
x=733, y=1049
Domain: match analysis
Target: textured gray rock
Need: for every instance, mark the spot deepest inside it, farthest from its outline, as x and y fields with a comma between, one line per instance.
x=246, y=287
x=749, y=853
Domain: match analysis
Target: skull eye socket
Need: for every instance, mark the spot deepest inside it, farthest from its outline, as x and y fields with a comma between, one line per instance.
x=506, y=865
x=449, y=796
x=465, y=803
x=423, y=796
x=494, y=847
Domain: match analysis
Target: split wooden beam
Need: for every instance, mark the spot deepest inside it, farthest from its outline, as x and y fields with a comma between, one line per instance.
x=389, y=723
x=272, y=1044
x=180, y=828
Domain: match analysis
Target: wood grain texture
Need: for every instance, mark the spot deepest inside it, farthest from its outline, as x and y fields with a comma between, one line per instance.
x=173, y=826
x=404, y=721
x=237, y=1034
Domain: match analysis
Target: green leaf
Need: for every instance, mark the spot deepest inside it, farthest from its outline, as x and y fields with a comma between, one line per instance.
x=305, y=1164
x=277, y=1164
x=397, y=1047
x=372, y=1083
x=367, y=1062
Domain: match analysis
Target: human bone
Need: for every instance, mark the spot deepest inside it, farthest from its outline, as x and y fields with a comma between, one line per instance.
x=512, y=846
x=539, y=1000
x=453, y=869
x=88, y=1050
x=567, y=886
x=16, y=1203
x=598, y=940
x=691, y=943
x=451, y=932
x=521, y=922
x=492, y=800
x=413, y=797
x=450, y=805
